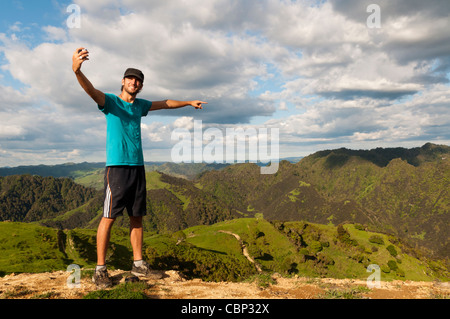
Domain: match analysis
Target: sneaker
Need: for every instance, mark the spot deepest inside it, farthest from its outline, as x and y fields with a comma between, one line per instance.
x=144, y=271
x=101, y=279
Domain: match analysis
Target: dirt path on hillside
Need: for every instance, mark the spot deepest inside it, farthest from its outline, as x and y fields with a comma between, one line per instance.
x=173, y=286
x=243, y=247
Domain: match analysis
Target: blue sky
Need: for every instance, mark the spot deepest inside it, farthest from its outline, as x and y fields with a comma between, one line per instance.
x=32, y=15
x=312, y=69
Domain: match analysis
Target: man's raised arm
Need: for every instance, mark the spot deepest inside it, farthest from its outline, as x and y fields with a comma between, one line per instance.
x=79, y=56
x=173, y=104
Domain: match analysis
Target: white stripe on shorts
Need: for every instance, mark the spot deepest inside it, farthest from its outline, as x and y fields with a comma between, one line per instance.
x=107, y=203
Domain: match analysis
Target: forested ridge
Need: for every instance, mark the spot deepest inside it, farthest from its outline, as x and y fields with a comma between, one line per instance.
x=29, y=198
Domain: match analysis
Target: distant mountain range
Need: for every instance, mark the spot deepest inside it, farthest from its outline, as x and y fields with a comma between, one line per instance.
x=397, y=191
x=78, y=170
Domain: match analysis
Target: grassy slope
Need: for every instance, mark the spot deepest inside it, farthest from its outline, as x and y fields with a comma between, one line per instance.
x=274, y=250
x=29, y=248
x=411, y=202
x=204, y=252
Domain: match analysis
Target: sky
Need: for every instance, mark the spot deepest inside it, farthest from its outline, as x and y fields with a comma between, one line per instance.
x=326, y=74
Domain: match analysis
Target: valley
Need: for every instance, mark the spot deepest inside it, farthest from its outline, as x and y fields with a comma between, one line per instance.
x=329, y=215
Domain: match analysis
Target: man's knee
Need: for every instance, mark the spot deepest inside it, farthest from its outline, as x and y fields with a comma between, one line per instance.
x=135, y=221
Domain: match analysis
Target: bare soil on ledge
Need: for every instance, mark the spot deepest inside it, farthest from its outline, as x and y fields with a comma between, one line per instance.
x=173, y=286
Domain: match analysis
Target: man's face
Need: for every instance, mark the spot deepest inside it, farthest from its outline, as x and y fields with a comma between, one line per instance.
x=132, y=85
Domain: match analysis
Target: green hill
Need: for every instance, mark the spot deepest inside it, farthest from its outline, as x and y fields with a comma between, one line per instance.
x=32, y=198
x=172, y=203
x=333, y=187
x=175, y=203
x=28, y=247
x=309, y=249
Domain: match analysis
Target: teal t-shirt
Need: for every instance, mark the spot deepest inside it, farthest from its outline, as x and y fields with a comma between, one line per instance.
x=123, y=130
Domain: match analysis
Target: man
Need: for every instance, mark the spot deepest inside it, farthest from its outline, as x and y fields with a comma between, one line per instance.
x=125, y=185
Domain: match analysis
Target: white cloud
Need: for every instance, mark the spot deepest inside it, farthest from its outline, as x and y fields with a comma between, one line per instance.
x=11, y=99
x=315, y=67
x=9, y=131
x=186, y=122
x=16, y=27
x=55, y=33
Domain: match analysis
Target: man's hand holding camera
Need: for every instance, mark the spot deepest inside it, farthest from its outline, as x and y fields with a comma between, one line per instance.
x=79, y=56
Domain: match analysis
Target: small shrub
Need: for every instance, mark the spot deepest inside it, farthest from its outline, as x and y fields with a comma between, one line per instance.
x=179, y=236
x=344, y=236
x=385, y=269
x=325, y=260
x=303, y=251
x=342, y=232
x=392, y=251
x=263, y=280
x=376, y=239
x=325, y=243
x=352, y=293
x=392, y=265
x=130, y=290
x=315, y=247
x=400, y=273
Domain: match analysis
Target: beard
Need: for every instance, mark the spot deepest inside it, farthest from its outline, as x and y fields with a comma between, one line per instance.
x=132, y=93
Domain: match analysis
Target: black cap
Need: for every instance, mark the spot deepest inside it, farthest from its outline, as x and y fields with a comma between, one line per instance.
x=134, y=72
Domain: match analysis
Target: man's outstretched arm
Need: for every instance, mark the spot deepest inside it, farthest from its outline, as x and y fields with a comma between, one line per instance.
x=78, y=58
x=173, y=104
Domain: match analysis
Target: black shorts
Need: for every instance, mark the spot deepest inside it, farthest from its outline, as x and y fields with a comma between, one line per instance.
x=125, y=187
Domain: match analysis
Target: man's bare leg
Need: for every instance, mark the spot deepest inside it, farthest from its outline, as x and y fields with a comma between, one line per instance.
x=140, y=266
x=136, y=236
x=103, y=235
